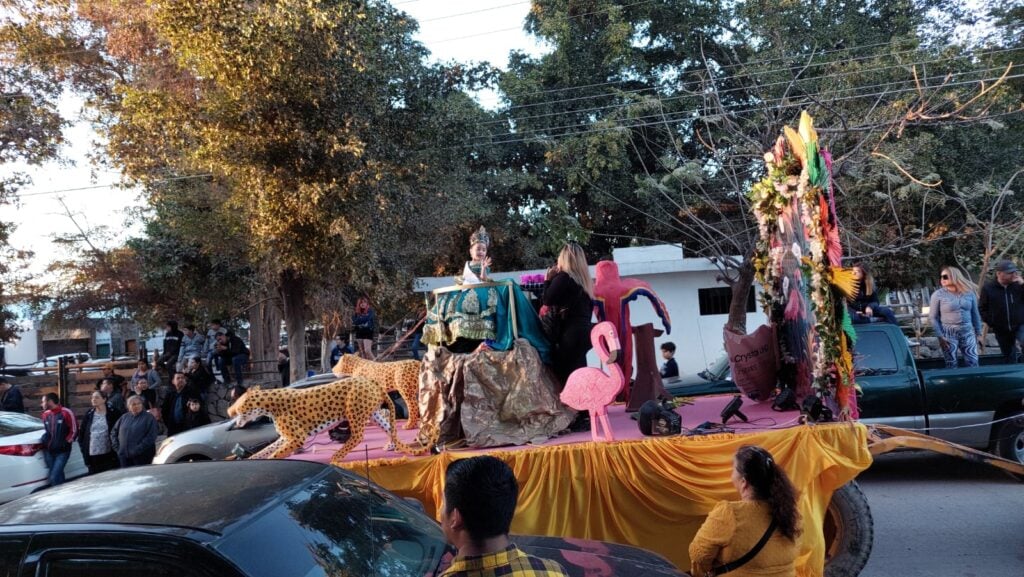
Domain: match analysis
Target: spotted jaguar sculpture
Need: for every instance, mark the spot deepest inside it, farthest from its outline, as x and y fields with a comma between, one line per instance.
x=301, y=413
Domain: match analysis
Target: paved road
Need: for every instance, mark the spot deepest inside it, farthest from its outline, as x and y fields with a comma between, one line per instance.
x=937, y=516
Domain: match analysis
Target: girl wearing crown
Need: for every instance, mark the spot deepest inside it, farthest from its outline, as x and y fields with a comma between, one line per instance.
x=477, y=270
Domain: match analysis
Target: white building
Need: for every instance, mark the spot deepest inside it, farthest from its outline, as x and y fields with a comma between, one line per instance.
x=697, y=303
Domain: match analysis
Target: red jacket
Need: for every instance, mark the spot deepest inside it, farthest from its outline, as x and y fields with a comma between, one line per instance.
x=59, y=421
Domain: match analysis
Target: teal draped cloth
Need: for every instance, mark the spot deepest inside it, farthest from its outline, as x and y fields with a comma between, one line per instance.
x=485, y=311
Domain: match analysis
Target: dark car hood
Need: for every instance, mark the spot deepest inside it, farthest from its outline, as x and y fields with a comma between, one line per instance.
x=583, y=557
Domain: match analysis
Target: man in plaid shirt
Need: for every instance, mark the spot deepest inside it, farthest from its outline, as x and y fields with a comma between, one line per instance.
x=480, y=496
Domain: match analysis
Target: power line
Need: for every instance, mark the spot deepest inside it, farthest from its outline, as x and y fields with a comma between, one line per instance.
x=696, y=84
x=695, y=115
x=110, y=185
x=780, y=99
x=726, y=67
x=761, y=73
x=482, y=10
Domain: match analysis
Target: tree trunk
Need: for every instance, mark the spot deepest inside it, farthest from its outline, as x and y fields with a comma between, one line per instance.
x=326, y=344
x=292, y=288
x=265, y=333
x=737, y=322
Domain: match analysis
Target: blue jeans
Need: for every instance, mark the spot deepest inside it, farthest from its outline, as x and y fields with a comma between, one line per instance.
x=239, y=362
x=55, y=462
x=416, y=345
x=215, y=360
x=879, y=312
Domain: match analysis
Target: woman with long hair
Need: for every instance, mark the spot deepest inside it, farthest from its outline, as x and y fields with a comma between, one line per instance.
x=953, y=310
x=365, y=323
x=864, y=306
x=568, y=306
x=767, y=507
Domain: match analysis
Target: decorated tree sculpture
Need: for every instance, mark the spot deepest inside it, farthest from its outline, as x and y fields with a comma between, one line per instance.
x=798, y=262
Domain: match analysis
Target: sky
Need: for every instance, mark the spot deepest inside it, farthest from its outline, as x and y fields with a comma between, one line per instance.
x=461, y=30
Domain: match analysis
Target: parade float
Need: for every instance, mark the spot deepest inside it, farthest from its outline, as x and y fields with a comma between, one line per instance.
x=484, y=388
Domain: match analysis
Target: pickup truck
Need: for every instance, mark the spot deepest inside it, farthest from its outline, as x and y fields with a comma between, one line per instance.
x=977, y=407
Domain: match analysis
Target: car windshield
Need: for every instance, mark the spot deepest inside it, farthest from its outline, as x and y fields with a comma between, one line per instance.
x=16, y=424
x=717, y=370
x=338, y=525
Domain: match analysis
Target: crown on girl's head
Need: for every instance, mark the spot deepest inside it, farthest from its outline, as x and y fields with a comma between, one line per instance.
x=481, y=237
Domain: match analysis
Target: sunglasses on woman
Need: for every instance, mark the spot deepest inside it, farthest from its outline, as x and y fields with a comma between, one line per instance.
x=945, y=277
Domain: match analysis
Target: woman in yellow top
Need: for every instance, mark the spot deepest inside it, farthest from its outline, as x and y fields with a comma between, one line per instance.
x=734, y=528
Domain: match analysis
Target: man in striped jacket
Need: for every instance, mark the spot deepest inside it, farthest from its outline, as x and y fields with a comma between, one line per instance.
x=59, y=434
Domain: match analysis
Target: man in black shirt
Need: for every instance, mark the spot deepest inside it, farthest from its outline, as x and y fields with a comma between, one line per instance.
x=172, y=347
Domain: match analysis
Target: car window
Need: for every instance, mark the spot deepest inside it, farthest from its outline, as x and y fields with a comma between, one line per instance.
x=111, y=567
x=12, y=549
x=16, y=424
x=337, y=526
x=873, y=352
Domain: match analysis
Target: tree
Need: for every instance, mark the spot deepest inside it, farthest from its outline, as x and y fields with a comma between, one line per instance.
x=30, y=133
x=319, y=120
x=681, y=99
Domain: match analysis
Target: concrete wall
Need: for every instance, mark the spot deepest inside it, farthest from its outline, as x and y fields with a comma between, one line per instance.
x=24, y=350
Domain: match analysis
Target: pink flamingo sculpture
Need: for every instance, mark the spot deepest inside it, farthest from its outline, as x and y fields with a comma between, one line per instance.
x=590, y=389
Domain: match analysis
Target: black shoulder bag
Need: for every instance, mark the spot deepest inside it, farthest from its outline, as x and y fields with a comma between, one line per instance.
x=732, y=566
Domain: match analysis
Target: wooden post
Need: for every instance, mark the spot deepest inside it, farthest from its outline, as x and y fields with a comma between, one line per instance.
x=62, y=380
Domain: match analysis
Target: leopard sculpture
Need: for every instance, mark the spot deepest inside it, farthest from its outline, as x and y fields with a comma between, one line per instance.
x=401, y=376
x=300, y=413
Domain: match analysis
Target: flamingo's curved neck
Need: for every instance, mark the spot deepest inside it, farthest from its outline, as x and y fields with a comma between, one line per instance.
x=615, y=370
x=603, y=352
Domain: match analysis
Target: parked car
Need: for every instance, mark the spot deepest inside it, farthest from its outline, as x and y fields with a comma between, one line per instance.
x=51, y=362
x=978, y=407
x=22, y=468
x=251, y=518
x=217, y=440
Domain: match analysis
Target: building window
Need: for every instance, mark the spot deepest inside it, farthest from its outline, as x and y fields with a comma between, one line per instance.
x=715, y=301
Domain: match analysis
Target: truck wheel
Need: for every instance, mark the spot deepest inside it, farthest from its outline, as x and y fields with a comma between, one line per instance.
x=1010, y=439
x=849, y=532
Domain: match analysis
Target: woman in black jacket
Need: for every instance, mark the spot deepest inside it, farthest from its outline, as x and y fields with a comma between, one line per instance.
x=94, y=436
x=568, y=306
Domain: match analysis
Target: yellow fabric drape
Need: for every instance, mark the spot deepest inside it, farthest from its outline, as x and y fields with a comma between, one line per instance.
x=652, y=493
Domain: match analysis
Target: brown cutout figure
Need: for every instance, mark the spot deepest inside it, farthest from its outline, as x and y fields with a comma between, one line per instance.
x=648, y=385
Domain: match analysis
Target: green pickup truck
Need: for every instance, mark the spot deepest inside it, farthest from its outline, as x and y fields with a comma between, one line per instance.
x=955, y=405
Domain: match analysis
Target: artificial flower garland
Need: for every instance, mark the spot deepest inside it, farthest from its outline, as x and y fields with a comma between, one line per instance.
x=797, y=258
